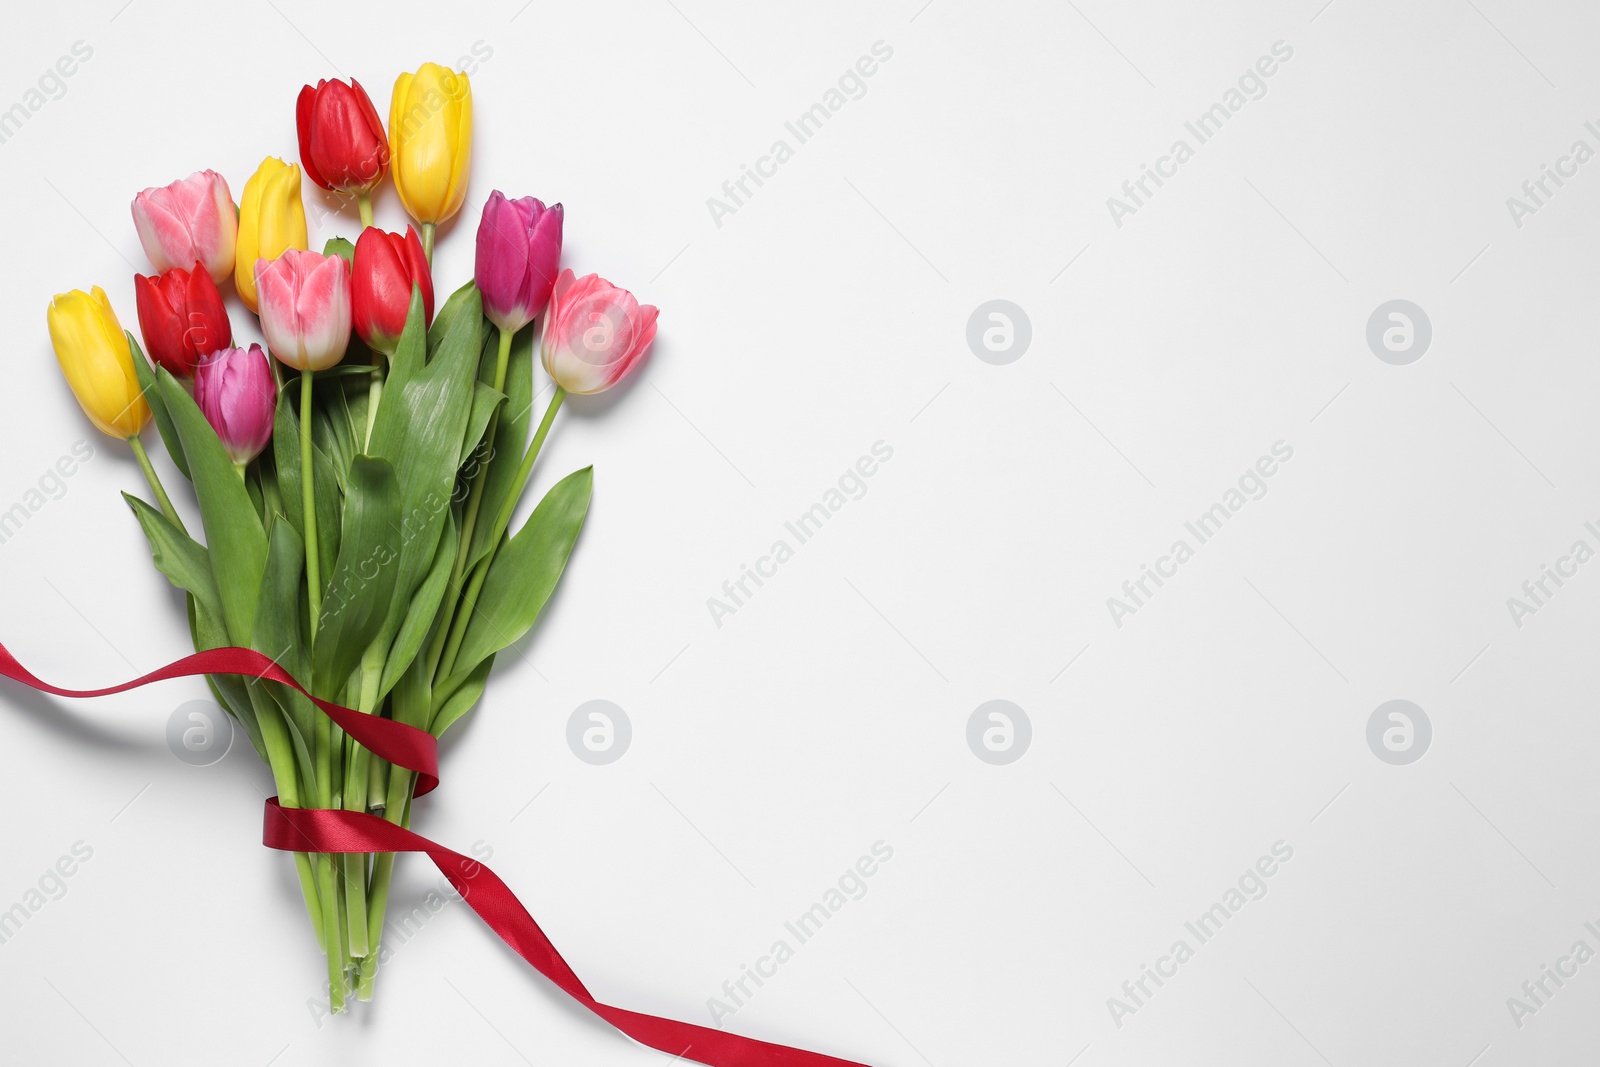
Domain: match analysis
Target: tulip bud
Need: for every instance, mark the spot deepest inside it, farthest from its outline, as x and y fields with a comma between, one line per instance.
x=341, y=140
x=190, y=221
x=305, y=308
x=182, y=318
x=98, y=362
x=519, y=254
x=594, y=334
x=271, y=220
x=237, y=395
x=430, y=141
x=386, y=267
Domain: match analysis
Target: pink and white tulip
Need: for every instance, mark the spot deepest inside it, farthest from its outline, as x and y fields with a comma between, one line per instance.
x=237, y=395
x=519, y=253
x=305, y=308
x=190, y=221
x=594, y=334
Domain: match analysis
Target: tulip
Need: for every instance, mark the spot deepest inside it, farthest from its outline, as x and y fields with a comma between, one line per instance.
x=342, y=144
x=272, y=220
x=430, y=142
x=182, y=317
x=190, y=221
x=594, y=334
x=519, y=254
x=305, y=308
x=237, y=395
x=386, y=266
x=98, y=361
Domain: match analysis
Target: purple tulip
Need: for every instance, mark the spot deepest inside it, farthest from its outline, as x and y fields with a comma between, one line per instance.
x=237, y=395
x=519, y=256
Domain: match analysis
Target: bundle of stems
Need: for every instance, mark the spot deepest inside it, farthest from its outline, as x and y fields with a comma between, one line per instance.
x=368, y=551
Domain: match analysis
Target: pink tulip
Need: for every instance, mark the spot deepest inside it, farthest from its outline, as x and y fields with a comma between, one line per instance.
x=519, y=253
x=305, y=308
x=190, y=221
x=237, y=395
x=595, y=333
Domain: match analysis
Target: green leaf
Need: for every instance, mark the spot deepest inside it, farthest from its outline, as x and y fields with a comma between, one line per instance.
x=445, y=317
x=423, y=606
x=281, y=623
x=177, y=555
x=421, y=420
x=147, y=385
x=526, y=570
x=485, y=398
x=361, y=585
x=234, y=538
x=461, y=701
x=510, y=438
x=341, y=247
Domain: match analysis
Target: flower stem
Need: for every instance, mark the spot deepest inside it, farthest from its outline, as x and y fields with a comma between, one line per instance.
x=427, y=241
x=308, y=497
x=155, y=483
x=374, y=395
x=470, y=600
x=364, y=205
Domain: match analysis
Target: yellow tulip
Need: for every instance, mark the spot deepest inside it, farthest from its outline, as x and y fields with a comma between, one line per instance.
x=430, y=141
x=98, y=363
x=271, y=220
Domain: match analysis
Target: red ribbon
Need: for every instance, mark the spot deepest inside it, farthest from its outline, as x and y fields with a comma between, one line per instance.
x=324, y=830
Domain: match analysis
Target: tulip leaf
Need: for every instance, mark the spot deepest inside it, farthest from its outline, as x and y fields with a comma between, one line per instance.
x=421, y=420
x=423, y=606
x=525, y=571
x=177, y=555
x=361, y=584
x=158, y=408
x=461, y=701
x=485, y=399
x=446, y=315
x=510, y=436
x=235, y=541
x=341, y=247
x=280, y=630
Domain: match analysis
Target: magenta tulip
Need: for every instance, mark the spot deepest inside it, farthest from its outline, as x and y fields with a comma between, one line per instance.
x=305, y=308
x=595, y=333
x=190, y=221
x=237, y=395
x=519, y=253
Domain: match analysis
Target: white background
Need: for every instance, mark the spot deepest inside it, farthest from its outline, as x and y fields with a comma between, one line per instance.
x=829, y=712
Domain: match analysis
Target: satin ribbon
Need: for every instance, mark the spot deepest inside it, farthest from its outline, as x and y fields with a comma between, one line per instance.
x=325, y=830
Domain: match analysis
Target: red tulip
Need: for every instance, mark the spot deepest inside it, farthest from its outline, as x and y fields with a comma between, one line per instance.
x=386, y=267
x=182, y=317
x=342, y=143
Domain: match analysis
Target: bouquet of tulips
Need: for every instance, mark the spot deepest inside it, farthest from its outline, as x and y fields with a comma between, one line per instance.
x=355, y=491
